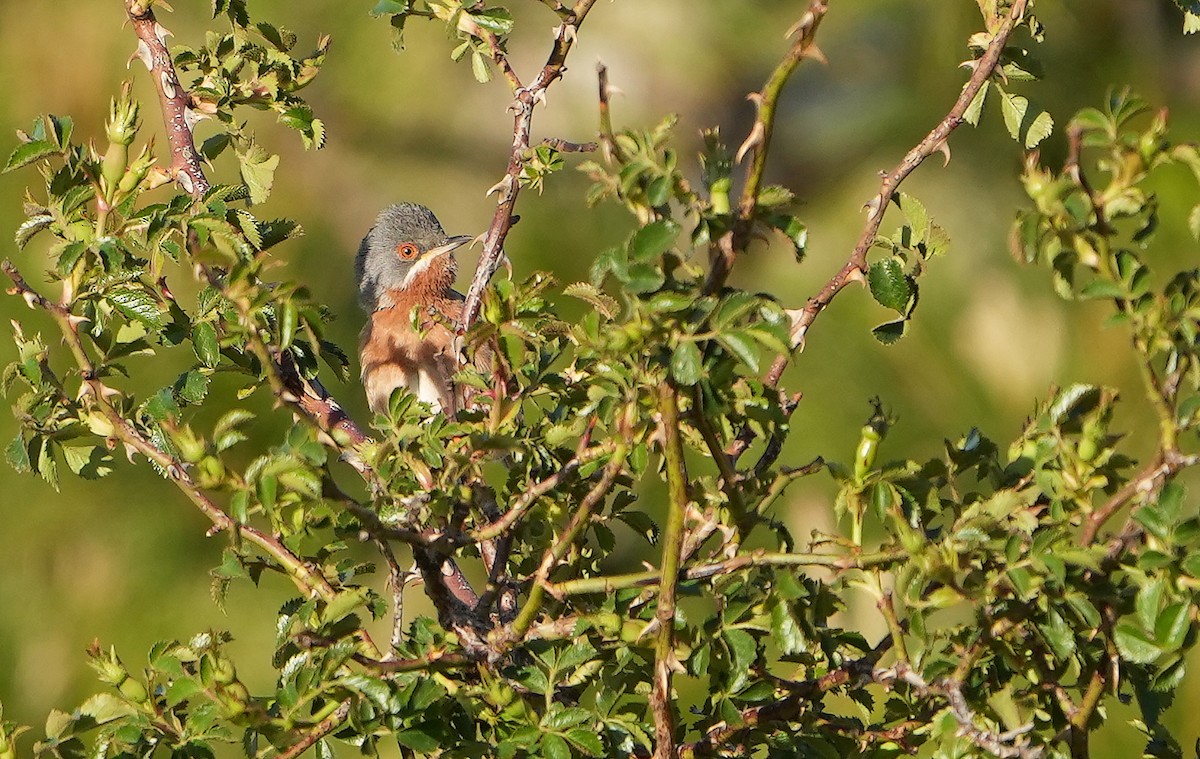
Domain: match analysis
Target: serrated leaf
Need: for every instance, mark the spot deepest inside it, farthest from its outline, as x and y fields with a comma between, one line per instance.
x=47, y=465
x=417, y=740
x=742, y=346
x=652, y=240
x=889, y=333
x=258, y=172
x=1135, y=646
x=192, y=387
x=481, y=67
x=889, y=284
x=17, y=454
x=139, y=305
x=29, y=152
x=554, y=747
x=971, y=115
x=775, y=195
x=389, y=7
x=105, y=707
x=592, y=295
x=586, y=741
x=495, y=20
x=31, y=227
x=1023, y=126
x=205, y=344
x=687, y=365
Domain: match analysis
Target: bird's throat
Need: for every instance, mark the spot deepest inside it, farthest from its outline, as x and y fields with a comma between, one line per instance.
x=430, y=279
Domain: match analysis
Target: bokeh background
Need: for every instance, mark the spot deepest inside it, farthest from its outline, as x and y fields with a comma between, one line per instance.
x=125, y=560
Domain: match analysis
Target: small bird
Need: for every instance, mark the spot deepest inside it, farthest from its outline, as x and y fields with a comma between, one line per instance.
x=405, y=269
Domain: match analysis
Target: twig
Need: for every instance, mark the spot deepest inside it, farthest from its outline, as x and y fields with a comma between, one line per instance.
x=582, y=517
x=856, y=268
x=788, y=707
x=758, y=558
x=309, y=397
x=1003, y=745
x=758, y=143
x=509, y=187
x=307, y=579
x=434, y=661
x=665, y=662
x=730, y=481
x=536, y=490
x=319, y=731
x=1151, y=479
x=563, y=146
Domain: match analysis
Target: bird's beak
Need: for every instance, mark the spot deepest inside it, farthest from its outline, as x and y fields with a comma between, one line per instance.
x=453, y=243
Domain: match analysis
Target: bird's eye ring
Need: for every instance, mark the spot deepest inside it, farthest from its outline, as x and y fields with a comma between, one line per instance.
x=407, y=251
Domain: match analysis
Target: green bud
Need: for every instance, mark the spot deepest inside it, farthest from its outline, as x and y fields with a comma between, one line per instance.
x=133, y=690
x=123, y=117
x=872, y=434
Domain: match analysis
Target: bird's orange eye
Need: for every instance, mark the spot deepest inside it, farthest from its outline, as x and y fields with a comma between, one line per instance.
x=407, y=251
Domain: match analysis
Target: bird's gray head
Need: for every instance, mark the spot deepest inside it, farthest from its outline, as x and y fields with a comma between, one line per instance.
x=406, y=239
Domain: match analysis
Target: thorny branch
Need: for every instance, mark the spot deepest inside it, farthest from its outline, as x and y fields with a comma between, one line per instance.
x=1008, y=745
x=789, y=706
x=758, y=558
x=98, y=395
x=444, y=580
x=307, y=396
x=855, y=268
x=509, y=187
x=319, y=731
x=758, y=143
x=665, y=662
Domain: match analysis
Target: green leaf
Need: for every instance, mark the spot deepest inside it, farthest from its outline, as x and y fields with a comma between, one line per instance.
x=554, y=747
x=643, y=278
x=890, y=286
x=288, y=317
x=971, y=115
x=31, y=227
x=29, y=152
x=47, y=465
x=687, y=365
x=204, y=342
x=1135, y=646
x=742, y=345
x=586, y=741
x=481, y=67
x=88, y=461
x=495, y=20
x=17, y=454
x=388, y=7
x=417, y=740
x=139, y=305
x=192, y=386
x=1026, y=128
x=258, y=172
x=915, y=214
x=1171, y=627
x=652, y=240
x=890, y=332
x=561, y=718
x=592, y=295
x=786, y=631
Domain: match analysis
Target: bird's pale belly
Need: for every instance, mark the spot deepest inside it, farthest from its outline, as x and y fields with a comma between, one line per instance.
x=393, y=356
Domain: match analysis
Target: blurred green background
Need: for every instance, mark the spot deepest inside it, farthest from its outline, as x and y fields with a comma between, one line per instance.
x=125, y=559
